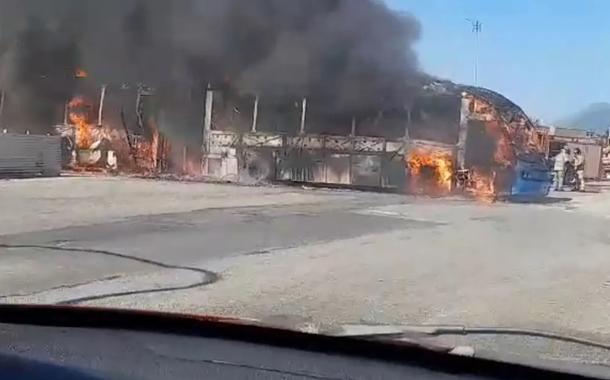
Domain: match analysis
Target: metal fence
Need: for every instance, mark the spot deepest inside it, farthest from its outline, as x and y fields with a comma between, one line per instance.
x=29, y=155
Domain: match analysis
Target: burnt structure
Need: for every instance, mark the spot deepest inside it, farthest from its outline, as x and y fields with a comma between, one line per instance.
x=457, y=137
x=298, y=92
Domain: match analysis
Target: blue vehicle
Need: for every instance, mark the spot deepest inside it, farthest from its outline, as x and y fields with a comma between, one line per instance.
x=533, y=178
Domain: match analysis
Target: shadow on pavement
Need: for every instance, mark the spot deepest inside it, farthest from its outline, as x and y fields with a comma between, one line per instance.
x=540, y=201
x=595, y=189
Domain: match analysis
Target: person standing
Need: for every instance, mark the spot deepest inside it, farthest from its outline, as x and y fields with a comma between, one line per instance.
x=579, y=166
x=560, y=168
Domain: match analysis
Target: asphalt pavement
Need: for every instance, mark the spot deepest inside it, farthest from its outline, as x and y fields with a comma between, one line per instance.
x=308, y=259
x=86, y=251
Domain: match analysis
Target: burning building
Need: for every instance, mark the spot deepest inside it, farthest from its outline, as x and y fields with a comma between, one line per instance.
x=452, y=138
x=293, y=91
x=93, y=140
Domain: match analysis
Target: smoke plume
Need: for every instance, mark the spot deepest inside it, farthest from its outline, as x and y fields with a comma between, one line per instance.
x=349, y=55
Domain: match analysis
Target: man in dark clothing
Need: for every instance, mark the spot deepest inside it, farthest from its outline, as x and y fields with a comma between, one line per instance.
x=579, y=166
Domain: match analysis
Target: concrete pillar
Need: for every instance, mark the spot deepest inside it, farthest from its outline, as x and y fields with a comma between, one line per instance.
x=409, y=121
x=303, y=115
x=209, y=106
x=207, y=127
x=255, y=115
x=184, y=158
x=66, y=106
x=100, y=112
x=139, y=107
x=353, y=131
x=463, y=132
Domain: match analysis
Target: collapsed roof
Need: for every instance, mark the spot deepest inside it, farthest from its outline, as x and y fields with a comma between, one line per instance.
x=507, y=109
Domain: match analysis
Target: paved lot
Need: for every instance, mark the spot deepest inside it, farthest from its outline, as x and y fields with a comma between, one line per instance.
x=313, y=259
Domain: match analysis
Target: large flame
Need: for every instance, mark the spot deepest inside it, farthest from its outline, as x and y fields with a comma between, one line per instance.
x=78, y=118
x=437, y=165
x=146, y=150
x=482, y=184
x=143, y=152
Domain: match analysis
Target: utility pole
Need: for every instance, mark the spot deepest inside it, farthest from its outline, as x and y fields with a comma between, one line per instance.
x=477, y=28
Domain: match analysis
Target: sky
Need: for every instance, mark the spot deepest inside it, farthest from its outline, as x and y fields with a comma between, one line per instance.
x=551, y=57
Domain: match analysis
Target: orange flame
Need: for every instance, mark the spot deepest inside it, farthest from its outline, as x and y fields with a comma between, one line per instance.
x=146, y=150
x=482, y=185
x=78, y=118
x=482, y=182
x=80, y=73
x=137, y=153
x=439, y=165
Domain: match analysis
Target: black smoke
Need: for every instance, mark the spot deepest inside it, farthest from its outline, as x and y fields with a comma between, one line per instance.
x=348, y=56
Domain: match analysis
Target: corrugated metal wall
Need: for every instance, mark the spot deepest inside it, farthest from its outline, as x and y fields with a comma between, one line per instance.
x=29, y=155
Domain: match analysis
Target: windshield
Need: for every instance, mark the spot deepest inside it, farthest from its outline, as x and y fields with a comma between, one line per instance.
x=311, y=164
